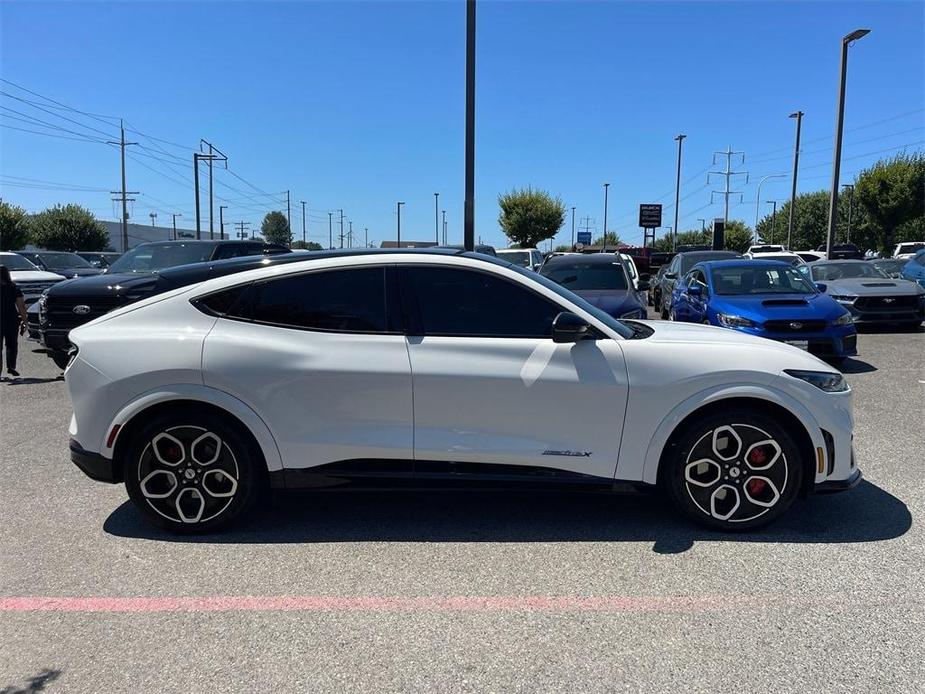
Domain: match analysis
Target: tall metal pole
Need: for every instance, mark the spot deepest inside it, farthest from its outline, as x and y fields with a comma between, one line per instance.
x=793, y=184
x=211, y=227
x=365, y=237
x=175, y=224
x=573, y=227
x=606, y=188
x=469, y=204
x=773, y=218
x=341, y=228
x=703, y=224
x=677, y=193
x=758, y=200
x=839, y=128
x=444, y=227
x=196, y=189
x=124, y=194
x=221, y=221
x=303, y=222
x=288, y=219
x=399, y=223
x=850, y=187
x=330, y=230
x=437, y=218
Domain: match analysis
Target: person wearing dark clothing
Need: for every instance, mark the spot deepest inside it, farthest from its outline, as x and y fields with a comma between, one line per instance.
x=13, y=319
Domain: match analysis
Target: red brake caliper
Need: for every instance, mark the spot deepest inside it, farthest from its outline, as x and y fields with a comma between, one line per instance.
x=756, y=486
x=757, y=456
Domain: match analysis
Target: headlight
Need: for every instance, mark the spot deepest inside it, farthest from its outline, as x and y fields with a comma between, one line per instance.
x=728, y=321
x=846, y=319
x=844, y=298
x=636, y=313
x=823, y=380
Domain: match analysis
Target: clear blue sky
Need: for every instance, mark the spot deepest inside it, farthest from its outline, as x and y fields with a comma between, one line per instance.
x=358, y=105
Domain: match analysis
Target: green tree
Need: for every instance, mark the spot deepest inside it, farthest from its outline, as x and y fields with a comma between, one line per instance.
x=530, y=216
x=308, y=246
x=68, y=228
x=738, y=236
x=562, y=249
x=611, y=238
x=275, y=228
x=891, y=196
x=15, y=227
x=810, y=222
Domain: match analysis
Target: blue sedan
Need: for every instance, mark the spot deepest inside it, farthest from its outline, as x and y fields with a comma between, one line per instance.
x=915, y=269
x=765, y=298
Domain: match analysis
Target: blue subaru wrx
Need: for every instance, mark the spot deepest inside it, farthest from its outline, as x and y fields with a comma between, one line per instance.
x=769, y=299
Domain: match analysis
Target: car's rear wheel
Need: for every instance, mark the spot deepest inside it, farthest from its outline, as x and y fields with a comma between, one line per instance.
x=734, y=471
x=191, y=473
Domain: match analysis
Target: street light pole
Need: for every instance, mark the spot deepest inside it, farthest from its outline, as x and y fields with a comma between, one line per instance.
x=303, y=221
x=444, y=227
x=330, y=230
x=758, y=200
x=437, y=218
x=839, y=128
x=221, y=221
x=850, y=187
x=399, y=223
x=606, y=189
x=178, y=214
x=677, y=193
x=773, y=217
x=469, y=202
x=793, y=184
x=573, y=227
x=703, y=224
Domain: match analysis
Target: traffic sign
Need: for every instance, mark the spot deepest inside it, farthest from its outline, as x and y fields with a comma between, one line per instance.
x=650, y=216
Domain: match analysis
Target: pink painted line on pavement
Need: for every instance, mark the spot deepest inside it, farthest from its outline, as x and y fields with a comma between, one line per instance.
x=324, y=603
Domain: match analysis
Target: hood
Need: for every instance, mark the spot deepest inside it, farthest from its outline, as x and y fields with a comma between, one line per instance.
x=34, y=276
x=78, y=271
x=872, y=286
x=612, y=301
x=105, y=285
x=764, y=307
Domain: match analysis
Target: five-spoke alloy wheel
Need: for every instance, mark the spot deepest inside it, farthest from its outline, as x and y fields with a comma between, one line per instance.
x=735, y=471
x=189, y=473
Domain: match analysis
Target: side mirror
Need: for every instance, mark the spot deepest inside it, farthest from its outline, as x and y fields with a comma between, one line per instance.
x=568, y=327
x=643, y=285
x=822, y=287
x=695, y=290
x=537, y=266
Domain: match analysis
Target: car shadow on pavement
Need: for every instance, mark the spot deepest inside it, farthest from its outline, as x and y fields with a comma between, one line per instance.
x=856, y=366
x=33, y=684
x=864, y=514
x=28, y=380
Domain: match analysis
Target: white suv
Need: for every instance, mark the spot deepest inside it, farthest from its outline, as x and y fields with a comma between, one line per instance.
x=440, y=368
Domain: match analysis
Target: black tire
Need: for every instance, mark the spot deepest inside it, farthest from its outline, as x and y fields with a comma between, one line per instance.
x=228, y=486
x=763, y=491
x=664, y=312
x=61, y=359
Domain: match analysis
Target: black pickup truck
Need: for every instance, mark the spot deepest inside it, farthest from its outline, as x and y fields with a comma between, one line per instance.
x=146, y=270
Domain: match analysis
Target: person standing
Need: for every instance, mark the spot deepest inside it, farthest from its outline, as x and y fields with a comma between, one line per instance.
x=13, y=319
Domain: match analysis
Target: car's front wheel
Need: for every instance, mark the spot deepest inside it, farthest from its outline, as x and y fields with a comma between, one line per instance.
x=193, y=472
x=735, y=471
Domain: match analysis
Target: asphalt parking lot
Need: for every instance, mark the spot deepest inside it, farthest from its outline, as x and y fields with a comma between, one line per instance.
x=467, y=592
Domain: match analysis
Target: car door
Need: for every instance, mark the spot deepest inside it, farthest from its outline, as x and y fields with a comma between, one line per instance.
x=320, y=358
x=492, y=388
x=697, y=304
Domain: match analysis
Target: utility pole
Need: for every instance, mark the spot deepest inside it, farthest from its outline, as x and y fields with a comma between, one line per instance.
x=839, y=128
x=677, y=193
x=330, y=231
x=211, y=156
x=573, y=227
x=175, y=224
x=303, y=221
x=198, y=157
x=773, y=217
x=606, y=188
x=850, y=187
x=703, y=224
x=469, y=204
x=242, y=225
x=793, y=184
x=728, y=173
x=444, y=227
x=221, y=221
x=399, y=223
x=288, y=218
x=365, y=237
x=437, y=218
x=123, y=195
x=350, y=234
x=341, y=228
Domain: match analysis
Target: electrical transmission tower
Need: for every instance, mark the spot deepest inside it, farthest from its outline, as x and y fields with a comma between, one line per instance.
x=242, y=229
x=728, y=173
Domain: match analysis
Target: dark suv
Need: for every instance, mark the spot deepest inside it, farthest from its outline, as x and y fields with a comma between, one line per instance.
x=141, y=272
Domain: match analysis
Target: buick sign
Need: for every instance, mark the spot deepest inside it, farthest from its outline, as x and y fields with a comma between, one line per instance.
x=81, y=309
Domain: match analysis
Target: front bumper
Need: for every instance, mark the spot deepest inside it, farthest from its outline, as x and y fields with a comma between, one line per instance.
x=838, y=341
x=882, y=316
x=95, y=466
x=833, y=486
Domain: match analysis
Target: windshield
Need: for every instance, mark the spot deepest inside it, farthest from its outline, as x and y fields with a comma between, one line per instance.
x=826, y=272
x=617, y=326
x=766, y=249
x=62, y=260
x=889, y=265
x=16, y=262
x=579, y=276
x=521, y=258
x=689, y=261
x=743, y=279
x=156, y=256
x=910, y=247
